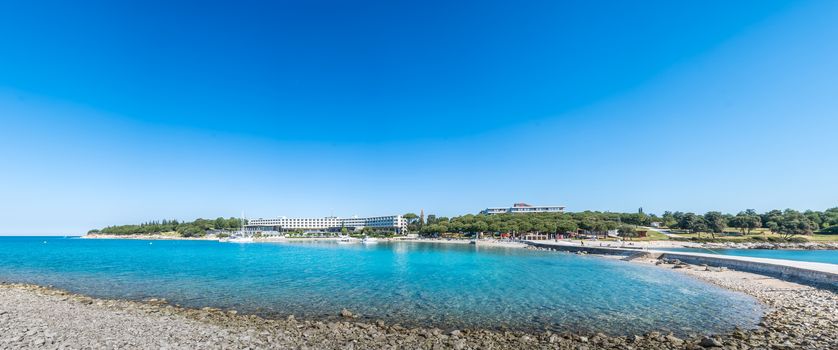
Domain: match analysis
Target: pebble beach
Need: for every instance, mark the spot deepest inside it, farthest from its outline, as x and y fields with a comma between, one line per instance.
x=36, y=317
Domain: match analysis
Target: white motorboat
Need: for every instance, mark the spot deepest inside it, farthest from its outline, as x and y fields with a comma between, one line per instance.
x=369, y=240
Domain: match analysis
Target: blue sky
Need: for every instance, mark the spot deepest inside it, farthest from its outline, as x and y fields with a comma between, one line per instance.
x=123, y=112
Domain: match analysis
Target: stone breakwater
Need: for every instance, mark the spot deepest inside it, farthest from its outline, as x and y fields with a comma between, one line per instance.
x=770, y=245
x=34, y=317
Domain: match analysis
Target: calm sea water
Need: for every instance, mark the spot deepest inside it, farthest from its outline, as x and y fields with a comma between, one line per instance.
x=415, y=284
x=821, y=256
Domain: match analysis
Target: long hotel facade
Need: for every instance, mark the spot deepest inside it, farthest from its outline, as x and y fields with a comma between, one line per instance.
x=326, y=224
x=522, y=208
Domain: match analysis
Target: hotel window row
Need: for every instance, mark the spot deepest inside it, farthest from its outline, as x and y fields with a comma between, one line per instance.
x=397, y=222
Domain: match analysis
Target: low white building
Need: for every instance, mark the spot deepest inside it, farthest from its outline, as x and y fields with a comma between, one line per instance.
x=325, y=224
x=521, y=208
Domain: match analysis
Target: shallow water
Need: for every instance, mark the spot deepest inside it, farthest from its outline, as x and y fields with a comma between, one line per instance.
x=415, y=284
x=821, y=256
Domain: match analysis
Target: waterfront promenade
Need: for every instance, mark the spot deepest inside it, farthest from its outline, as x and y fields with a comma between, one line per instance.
x=812, y=273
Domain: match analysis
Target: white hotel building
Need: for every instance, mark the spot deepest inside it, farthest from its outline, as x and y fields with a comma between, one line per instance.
x=327, y=224
x=522, y=208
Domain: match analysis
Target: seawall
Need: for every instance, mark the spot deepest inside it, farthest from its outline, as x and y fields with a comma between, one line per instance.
x=819, y=275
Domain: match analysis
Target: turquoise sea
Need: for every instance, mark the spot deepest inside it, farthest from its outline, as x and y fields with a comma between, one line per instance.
x=821, y=256
x=414, y=284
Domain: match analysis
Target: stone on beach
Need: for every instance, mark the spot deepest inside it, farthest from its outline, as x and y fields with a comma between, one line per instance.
x=708, y=342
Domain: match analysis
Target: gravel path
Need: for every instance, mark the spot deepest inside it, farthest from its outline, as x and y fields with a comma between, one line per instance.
x=33, y=317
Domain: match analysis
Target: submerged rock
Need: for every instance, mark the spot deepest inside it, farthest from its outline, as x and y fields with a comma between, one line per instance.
x=708, y=342
x=674, y=340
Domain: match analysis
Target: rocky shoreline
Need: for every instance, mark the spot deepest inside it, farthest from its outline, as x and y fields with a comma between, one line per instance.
x=798, y=317
x=482, y=242
x=148, y=237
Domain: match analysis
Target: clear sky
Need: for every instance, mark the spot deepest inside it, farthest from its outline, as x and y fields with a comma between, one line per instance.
x=122, y=112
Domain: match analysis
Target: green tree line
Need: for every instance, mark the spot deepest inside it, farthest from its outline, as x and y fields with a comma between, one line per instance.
x=196, y=228
x=787, y=222
x=543, y=223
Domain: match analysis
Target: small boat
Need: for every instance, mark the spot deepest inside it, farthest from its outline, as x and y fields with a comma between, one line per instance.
x=240, y=239
x=346, y=240
x=369, y=240
x=241, y=236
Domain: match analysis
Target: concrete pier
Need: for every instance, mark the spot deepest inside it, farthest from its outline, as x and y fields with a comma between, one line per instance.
x=820, y=275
